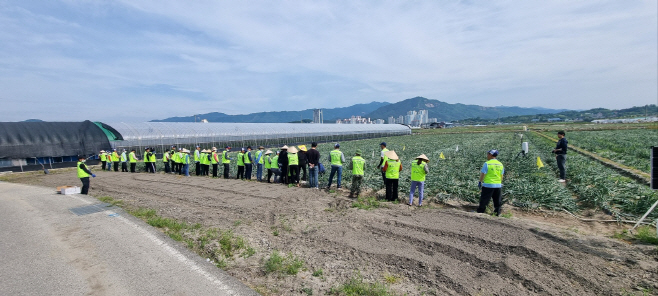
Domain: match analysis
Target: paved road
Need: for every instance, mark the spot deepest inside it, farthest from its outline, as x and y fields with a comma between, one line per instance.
x=46, y=249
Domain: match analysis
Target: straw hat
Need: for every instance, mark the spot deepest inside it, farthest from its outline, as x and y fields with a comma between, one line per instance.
x=268, y=152
x=285, y=147
x=261, y=147
x=293, y=150
x=423, y=157
x=302, y=147
x=186, y=151
x=102, y=151
x=204, y=151
x=391, y=155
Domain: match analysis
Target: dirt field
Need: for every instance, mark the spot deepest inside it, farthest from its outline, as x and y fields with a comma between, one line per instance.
x=434, y=250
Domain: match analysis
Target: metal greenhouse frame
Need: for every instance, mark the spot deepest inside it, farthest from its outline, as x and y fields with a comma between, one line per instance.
x=162, y=135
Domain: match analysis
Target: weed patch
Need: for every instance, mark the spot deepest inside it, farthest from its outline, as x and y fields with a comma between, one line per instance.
x=356, y=286
x=366, y=203
x=280, y=264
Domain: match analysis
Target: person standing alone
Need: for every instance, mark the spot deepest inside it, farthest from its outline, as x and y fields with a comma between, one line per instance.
x=358, y=168
x=491, y=183
x=561, y=155
x=83, y=174
x=418, y=172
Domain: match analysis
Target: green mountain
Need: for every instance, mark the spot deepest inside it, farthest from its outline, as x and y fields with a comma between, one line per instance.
x=330, y=115
x=586, y=115
x=449, y=112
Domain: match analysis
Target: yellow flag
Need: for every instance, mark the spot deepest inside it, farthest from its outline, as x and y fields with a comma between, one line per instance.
x=539, y=163
x=404, y=147
x=441, y=156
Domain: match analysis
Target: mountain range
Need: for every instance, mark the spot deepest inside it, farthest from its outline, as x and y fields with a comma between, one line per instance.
x=375, y=110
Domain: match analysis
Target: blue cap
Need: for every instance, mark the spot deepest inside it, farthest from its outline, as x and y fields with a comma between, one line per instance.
x=383, y=144
x=227, y=146
x=493, y=152
x=337, y=145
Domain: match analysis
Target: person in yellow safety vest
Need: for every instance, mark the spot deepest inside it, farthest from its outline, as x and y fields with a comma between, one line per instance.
x=248, y=163
x=103, y=158
x=267, y=163
x=179, y=160
x=274, y=166
x=108, y=158
x=260, y=160
x=185, y=161
x=383, y=160
x=205, y=162
x=336, y=158
x=83, y=174
x=419, y=169
x=293, y=166
x=392, y=168
x=197, y=160
x=132, y=157
x=153, y=160
x=226, y=161
x=214, y=160
x=491, y=183
x=114, y=156
x=358, y=169
x=124, y=161
x=172, y=155
x=147, y=159
x=240, y=164
x=165, y=160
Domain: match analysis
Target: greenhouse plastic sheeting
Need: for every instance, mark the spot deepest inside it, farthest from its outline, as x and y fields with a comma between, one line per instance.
x=47, y=139
x=187, y=134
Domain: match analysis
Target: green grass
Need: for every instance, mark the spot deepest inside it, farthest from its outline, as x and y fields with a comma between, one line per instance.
x=506, y=215
x=280, y=264
x=647, y=234
x=356, y=287
x=111, y=201
x=366, y=203
x=317, y=272
x=391, y=278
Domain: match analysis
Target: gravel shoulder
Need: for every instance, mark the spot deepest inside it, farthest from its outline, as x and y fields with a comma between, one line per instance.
x=434, y=250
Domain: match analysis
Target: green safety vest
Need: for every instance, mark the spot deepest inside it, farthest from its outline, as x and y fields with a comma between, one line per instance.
x=418, y=171
x=225, y=157
x=267, y=162
x=185, y=158
x=494, y=173
x=393, y=169
x=103, y=156
x=203, y=158
x=385, y=157
x=357, y=165
x=274, y=164
x=260, y=154
x=146, y=157
x=81, y=172
x=123, y=157
x=153, y=159
x=293, y=159
x=132, y=157
x=335, y=158
x=165, y=157
x=246, y=157
x=213, y=158
x=240, y=158
x=179, y=157
x=115, y=156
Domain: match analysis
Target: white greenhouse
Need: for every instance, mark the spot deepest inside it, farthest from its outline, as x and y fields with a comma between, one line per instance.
x=162, y=135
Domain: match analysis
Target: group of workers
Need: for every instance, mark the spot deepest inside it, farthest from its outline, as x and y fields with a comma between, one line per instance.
x=286, y=164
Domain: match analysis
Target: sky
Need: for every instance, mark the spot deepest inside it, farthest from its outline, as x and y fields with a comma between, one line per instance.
x=140, y=60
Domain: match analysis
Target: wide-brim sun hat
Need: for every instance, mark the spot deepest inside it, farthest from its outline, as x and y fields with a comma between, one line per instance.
x=293, y=149
x=102, y=151
x=302, y=147
x=268, y=152
x=285, y=147
x=358, y=151
x=423, y=157
x=391, y=155
x=261, y=147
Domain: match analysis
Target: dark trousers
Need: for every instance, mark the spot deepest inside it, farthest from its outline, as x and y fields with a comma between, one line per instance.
x=173, y=166
x=392, y=189
x=167, y=167
x=180, y=168
x=302, y=169
x=248, y=168
x=214, y=170
x=269, y=175
x=147, y=166
x=197, y=168
x=205, y=169
x=103, y=165
x=384, y=177
x=226, y=167
x=355, y=190
x=284, y=174
x=132, y=167
x=294, y=174
x=487, y=194
x=116, y=166
x=561, y=161
x=124, y=167
x=85, y=185
x=240, y=172
x=150, y=167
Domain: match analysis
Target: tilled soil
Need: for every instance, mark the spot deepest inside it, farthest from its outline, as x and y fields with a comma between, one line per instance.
x=428, y=251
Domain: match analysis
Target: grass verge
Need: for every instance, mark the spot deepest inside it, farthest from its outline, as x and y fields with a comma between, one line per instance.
x=357, y=286
x=279, y=264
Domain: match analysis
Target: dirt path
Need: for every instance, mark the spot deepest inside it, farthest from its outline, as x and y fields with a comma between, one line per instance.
x=430, y=251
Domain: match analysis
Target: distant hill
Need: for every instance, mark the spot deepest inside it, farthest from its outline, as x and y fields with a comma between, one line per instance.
x=449, y=112
x=330, y=115
x=583, y=115
x=33, y=120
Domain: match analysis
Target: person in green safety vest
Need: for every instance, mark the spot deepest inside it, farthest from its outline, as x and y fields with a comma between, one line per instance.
x=124, y=161
x=260, y=161
x=383, y=160
x=491, y=183
x=336, y=158
x=180, y=158
x=103, y=158
x=392, y=168
x=240, y=174
x=419, y=170
x=274, y=166
x=83, y=174
x=115, y=159
x=108, y=158
x=214, y=160
x=185, y=161
x=148, y=161
x=226, y=161
x=267, y=163
x=358, y=168
x=197, y=160
x=165, y=160
x=172, y=156
x=248, y=163
x=132, y=157
x=293, y=166
x=203, y=161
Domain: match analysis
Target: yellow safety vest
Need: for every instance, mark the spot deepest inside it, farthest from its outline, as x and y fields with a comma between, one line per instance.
x=393, y=169
x=81, y=172
x=418, y=171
